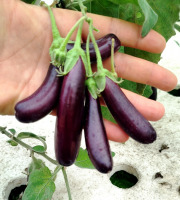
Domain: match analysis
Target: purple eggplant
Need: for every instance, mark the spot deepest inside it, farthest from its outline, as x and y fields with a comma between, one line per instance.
x=42, y=101
x=70, y=114
x=104, y=45
x=95, y=136
x=126, y=115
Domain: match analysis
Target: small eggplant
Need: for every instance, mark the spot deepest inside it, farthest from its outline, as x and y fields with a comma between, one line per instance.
x=70, y=114
x=126, y=115
x=42, y=101
x=104, y=45
x=95, y=136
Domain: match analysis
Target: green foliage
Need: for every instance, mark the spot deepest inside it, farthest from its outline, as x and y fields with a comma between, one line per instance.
x=106, y=114
x=141, y=89
x=29, y=1
x=40, y=185
x=141, y=12
x=124, y=1
x=39, y=149
x=35, y=164
x=148, y=13
x=83, y=160
x=150, y=17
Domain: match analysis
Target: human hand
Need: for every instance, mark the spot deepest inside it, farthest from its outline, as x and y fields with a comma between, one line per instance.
x=25, y=38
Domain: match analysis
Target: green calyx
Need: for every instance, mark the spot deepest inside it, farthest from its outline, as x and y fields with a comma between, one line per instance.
x=57, y=56
x=92, y=87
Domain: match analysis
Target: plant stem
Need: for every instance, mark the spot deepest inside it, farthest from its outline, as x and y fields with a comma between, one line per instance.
x=112, y=56
x=89, y=70
x=98, y=54
x=57, y=169
x=12, y=137
x=78, y=36
x=67, y=183
x=82, y=7
x=55, y=31
x=68, y=36
x=3, y=131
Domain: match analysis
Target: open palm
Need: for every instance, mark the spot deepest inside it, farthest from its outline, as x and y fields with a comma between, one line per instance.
x=25, y=38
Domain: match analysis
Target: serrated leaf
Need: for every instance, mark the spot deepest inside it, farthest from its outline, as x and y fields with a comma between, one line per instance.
x=150, y=17
x=39, y=149
x=83, y=160
x=40, y=185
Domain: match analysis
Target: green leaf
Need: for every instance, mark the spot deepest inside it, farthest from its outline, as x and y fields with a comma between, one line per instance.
x=150, y=17
x=36, y=164
x=124, y=1
x=39, y=149
x=167, y=11
x=83, y=160
x=142, y=89
x=29, y=1
x=107, y=115
x=12, y=143
x=24, y=135
x=13, y=131
x=40, y=185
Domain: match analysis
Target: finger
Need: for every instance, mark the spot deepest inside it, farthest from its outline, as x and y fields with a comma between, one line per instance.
x=114, y=132
x=150, y=109
x=129, y=33
x=143, y=71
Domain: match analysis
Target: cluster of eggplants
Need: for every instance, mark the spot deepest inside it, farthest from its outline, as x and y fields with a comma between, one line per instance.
x=68, y=95
x=41, y=103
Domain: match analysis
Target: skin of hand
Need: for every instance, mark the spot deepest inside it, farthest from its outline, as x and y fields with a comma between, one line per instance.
x=25, y=38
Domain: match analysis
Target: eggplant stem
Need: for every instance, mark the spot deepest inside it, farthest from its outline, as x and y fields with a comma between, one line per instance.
x=98, y=54
x=68, y=36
